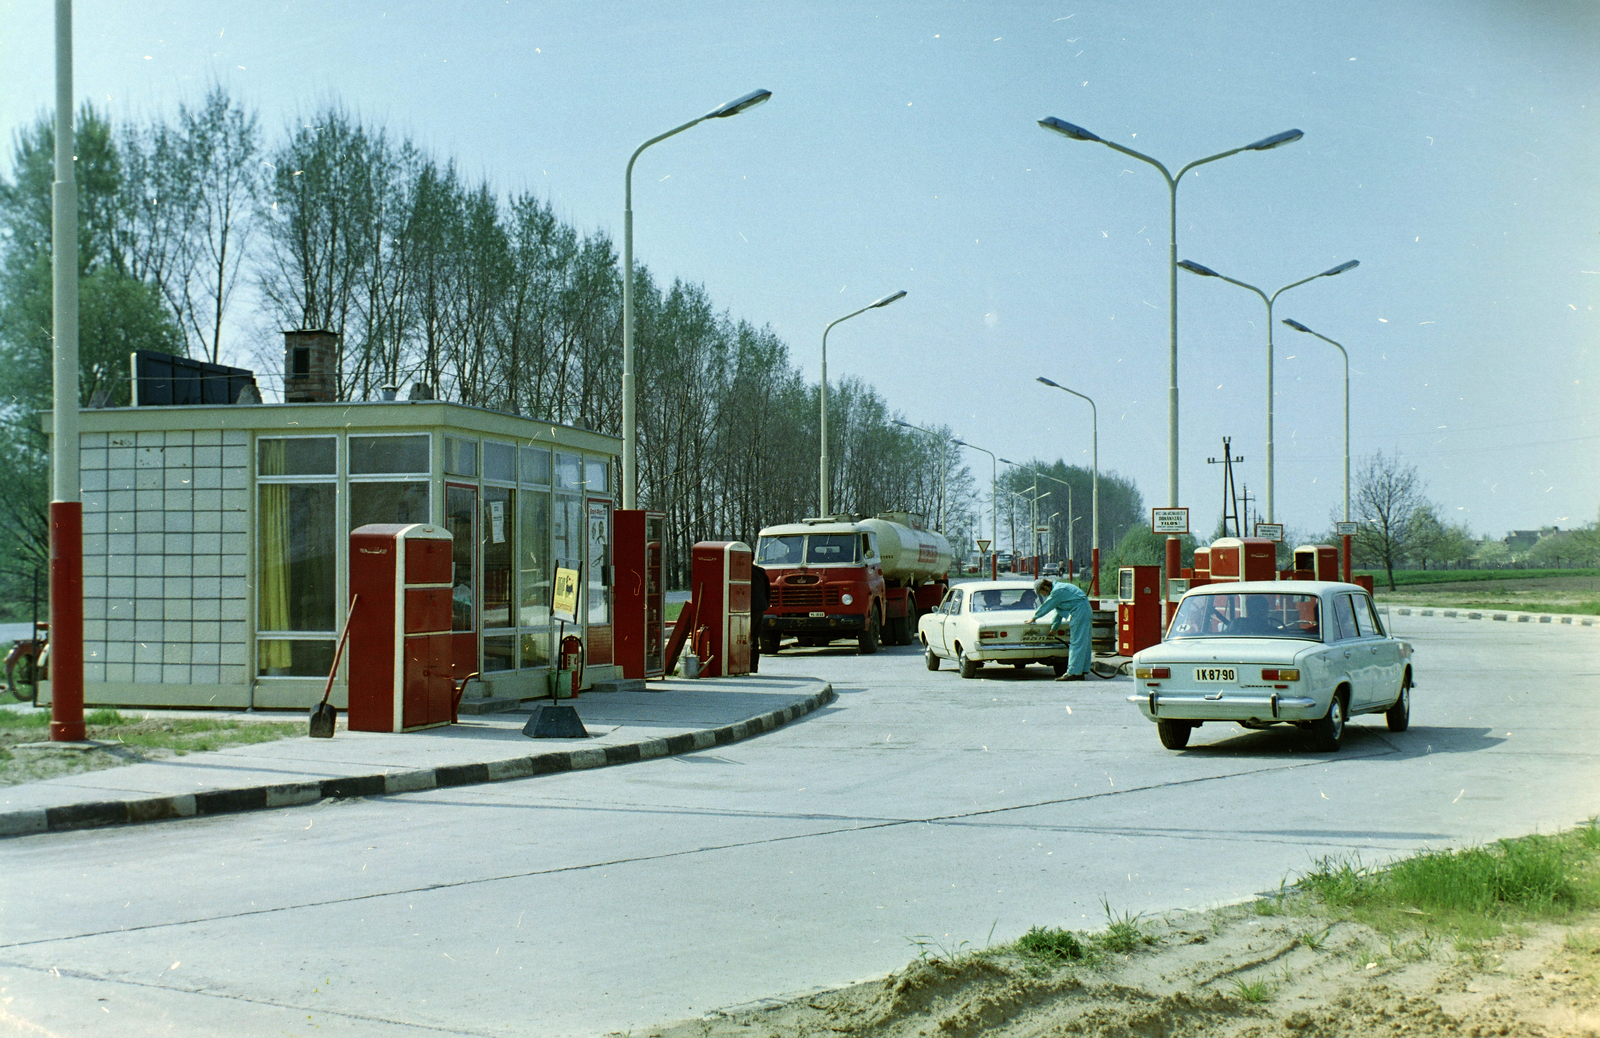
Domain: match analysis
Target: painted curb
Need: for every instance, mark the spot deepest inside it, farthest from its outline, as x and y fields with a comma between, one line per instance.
x=99, y=814
x=1569, y=619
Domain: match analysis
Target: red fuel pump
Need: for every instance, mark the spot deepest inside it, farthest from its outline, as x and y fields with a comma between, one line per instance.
x=1138, y=608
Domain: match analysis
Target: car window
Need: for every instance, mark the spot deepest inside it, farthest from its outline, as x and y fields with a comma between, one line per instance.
x=944, y=606
x=1367, y=614
x=1251, y=615
x=823, y=548
x=955, y=602
x=1344, y=617
x=1003, y=599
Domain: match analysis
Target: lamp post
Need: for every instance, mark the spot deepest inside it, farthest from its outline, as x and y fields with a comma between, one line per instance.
x=822, y=466
x=994, y=508
x=1078, y=133
x=1033, y=498
x=1094, y=519
x=1203, y=271
x=630, y=423
x=1069, y=508
x=1344, y=538
x=942, y=466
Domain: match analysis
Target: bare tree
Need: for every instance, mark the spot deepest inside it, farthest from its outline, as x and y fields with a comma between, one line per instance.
x=1389, y=502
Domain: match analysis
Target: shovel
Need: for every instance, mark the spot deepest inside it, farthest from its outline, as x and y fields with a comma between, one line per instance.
x=323, y=716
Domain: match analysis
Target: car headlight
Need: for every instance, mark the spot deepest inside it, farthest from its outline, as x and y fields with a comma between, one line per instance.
x=847, y=599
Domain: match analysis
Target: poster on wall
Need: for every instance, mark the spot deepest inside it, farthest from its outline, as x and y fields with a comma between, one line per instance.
x=564, y=598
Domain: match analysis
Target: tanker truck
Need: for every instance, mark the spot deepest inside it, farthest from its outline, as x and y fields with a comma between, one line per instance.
x=843, y=576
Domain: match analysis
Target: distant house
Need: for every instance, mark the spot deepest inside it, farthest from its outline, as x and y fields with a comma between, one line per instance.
x=216, y=541
x=1521, y=540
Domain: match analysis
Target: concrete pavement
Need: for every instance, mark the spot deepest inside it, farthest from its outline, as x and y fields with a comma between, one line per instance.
x=666, y=718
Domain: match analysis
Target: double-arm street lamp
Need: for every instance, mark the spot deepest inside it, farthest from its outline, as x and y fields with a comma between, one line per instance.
x=994, y=508
x=823, y=496
x=1094, y=522
x=940, y=440
x=1078, y=133
x=1064, y=483
x=1195, y=268
x=630, y=422
x=1345, y=538
x=1033, y=498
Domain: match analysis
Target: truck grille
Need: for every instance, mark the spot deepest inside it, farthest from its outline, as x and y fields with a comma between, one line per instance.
x=786, y=597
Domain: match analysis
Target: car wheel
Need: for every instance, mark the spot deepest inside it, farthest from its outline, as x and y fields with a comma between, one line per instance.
x=969, y=666
x=931, y=659
x=1020, y=664
x=1399, y=715
x=867, y=640
x=770, y=643
x=1174, y=734
x=1326, y=733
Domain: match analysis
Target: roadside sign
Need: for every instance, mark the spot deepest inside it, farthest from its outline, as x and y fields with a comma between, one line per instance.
x=1271, y=531
x=1346, y=529
x=983, y=546
x=564, y=600
x=1169, y=520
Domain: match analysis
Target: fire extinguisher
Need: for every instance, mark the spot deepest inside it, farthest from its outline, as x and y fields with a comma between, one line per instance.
x=572, y=659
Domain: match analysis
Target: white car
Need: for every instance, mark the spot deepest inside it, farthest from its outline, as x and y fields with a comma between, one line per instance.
x=1305, y=653
x=987, y=620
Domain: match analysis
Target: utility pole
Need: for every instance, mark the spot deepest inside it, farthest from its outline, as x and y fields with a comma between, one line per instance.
x=1230, y=497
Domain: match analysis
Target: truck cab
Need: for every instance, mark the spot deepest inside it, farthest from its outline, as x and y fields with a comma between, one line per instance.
x=827, y=583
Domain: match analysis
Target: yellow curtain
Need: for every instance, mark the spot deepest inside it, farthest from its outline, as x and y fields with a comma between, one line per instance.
x=272, y=573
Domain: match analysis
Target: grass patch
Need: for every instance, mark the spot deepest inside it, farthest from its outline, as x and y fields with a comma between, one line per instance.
x=1414, y=577
x=1253, y=991
x=1124, y=933
x=1472, y=893
x=1053, y=947
x=1591, y=608
x=126, y=739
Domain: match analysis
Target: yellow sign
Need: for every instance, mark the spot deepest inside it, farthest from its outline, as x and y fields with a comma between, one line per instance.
x=564, y=604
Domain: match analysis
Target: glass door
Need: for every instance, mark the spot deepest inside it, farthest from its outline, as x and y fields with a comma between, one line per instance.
x=460, y=520
x=597, y=563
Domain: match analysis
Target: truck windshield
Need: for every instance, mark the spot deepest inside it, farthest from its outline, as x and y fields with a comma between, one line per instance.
x=1248, y=616
x=825, y=548
x=781, y=551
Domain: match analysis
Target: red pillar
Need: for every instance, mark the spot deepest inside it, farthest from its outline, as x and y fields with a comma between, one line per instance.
x=1174, y=567
x=66, y=621
x=1344, y=557
x=1094, y=576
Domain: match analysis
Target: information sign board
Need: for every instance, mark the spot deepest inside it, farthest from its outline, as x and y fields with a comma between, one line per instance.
x=564, y=601
x=1169, y=520
x=1346, y=529
x=1271, y=531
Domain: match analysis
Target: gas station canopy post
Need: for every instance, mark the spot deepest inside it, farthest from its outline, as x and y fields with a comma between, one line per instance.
x=1204, y=271
x=1078, y=133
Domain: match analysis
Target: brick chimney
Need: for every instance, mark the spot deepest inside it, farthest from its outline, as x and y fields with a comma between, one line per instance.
x=310, y=367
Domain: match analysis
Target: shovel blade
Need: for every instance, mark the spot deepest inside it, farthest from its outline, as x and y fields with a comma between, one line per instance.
x=323, y=718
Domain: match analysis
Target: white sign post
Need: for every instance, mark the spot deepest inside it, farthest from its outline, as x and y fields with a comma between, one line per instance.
x=1270, y=531
x=1346, y=529
x=1169, y=520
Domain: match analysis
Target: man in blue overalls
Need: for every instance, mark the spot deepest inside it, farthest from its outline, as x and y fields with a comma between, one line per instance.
x=1067, y=602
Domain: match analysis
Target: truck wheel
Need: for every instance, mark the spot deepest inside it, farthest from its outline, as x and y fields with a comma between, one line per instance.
x=931, y=660
x=899, y=631
x=770, y=642
x=867, y=641
x=1174, y=734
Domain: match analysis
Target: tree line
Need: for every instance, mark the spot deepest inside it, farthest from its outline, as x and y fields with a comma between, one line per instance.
x=429, y=277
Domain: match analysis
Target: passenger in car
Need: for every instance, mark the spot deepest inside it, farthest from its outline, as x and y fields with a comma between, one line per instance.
x=1255, y=621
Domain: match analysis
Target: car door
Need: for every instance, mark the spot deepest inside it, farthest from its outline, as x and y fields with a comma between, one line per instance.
x=1351, y=656
x=949, y=622
x=1384, y=651
x=934, y=624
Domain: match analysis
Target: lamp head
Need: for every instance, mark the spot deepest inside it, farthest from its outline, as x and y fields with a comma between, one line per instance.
x=908, y=425
x=739, y=104
x=1341, y=268
x=1296, y=325
x=1005, y=461
x=959, y=443
x=1268, y=143
x=1055, y=385
x=1195, y=268
x=886, y=300
x=1066, y=129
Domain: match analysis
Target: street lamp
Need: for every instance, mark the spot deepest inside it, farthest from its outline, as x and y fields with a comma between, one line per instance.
x=1345, y=538
x=1064, y=483
x=823, y=464
x=630, y=423
x=942, y=466
x=1078, y=133
x=994, y=508
x=1094, y=414
x=1203, y=271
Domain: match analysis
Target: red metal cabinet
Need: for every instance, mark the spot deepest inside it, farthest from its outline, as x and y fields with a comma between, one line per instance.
x=400, y=641
x=1138, y=608
x=1320, y=561
x=1243, y=558
x=640, y=596
x=720, y=571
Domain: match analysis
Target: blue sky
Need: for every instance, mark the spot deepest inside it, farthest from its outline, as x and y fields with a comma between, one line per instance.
x=1451, y=147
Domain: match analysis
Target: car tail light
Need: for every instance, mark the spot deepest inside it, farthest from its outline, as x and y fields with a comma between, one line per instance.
x=1280, y=674
x=990, y=634
x=1153, y=672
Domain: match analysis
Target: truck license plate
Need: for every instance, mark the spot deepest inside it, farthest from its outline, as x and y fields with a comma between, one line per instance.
x=1214, y=674
x=817, y=615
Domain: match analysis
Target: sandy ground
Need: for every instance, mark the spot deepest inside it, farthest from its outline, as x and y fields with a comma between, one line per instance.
x=1232, y=973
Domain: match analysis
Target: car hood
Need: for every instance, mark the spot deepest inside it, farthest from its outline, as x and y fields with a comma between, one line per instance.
x=1225, y=650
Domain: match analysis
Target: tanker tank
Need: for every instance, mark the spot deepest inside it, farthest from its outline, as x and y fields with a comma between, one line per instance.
x=910, y=557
